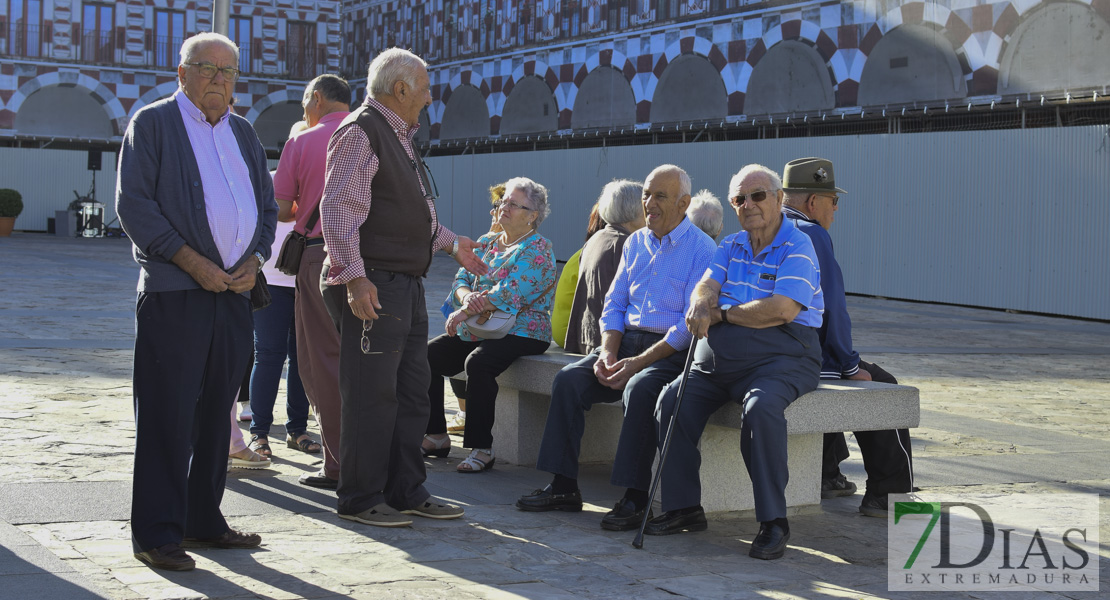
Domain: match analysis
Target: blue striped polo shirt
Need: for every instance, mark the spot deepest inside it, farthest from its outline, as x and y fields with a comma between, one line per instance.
x=786, y=267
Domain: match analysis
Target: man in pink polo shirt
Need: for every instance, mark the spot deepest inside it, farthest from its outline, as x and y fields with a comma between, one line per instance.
x=298, y=186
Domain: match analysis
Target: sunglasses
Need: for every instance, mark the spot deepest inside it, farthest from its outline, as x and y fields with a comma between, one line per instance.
x=756, y=196
x=832, y=197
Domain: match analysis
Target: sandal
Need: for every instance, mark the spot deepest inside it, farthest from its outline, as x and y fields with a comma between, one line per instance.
x=261, y=445
x=248, y=459
x=440, y=448
x=304, y=443
x=475, y=464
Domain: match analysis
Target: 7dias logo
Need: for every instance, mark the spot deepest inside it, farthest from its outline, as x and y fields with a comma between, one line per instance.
x=1002, y=542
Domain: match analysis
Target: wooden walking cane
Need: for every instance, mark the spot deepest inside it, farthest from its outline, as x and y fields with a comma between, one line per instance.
x=639, y=541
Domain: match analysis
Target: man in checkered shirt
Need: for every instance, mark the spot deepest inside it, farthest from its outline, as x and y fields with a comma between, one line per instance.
x=380, y=230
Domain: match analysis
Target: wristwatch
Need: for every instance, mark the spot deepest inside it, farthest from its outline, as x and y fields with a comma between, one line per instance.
x=454, y=248
x=724, y=312
x=261, y=261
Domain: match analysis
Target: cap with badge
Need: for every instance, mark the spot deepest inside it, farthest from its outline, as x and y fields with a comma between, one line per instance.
x=810, y=175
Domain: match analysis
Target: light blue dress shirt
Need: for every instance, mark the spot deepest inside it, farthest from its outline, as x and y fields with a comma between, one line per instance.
x=654, y=281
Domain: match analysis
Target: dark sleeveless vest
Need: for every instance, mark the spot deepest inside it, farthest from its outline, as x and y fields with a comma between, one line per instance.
x=397, y=233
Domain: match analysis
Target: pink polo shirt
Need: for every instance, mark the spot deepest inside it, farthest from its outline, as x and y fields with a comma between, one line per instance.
x=300, y=172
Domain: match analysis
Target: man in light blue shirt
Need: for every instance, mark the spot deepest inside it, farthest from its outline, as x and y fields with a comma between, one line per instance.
x=644, y=333
x=760, y=305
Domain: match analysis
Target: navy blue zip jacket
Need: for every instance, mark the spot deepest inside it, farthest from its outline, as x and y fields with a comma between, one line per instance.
x=838, y=359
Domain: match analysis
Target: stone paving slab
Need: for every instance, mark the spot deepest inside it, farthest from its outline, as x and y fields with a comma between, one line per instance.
x=1010, y=402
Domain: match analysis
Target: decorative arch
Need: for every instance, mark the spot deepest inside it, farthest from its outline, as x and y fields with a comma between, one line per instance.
x=465, y=114
x=526, y=108
x=1028, y=65
x=273, y=122
x=563, y=93
x=791, y=76
x=604, y=98
x=279, y=97
x=103, y=96
x=977, y=55
x=154, y=94
x=690, y=89
x=911, y=63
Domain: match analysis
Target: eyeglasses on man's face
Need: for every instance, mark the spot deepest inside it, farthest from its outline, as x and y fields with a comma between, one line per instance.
x=756, y=196
x=835, y=199
x=208, y=70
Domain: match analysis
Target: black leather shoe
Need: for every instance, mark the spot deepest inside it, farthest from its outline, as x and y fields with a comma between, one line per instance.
x=674, y=521
x=169, y=557
x=318, y=480
x=836, y=487
x=544, y=500
x=873, y=505
x=230, y=539
x=770, y=542
x=624, y=516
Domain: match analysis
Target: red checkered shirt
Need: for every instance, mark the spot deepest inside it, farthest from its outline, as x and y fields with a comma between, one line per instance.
x=352, y=165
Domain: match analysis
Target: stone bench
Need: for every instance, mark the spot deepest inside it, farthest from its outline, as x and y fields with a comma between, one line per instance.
x=525, y=394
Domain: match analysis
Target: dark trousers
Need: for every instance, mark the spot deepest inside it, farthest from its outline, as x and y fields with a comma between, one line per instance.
x=318, y=355
x=762, y=369
x=275, y=339
x=191, y=350
x=887, y=455
x=483, y=361
x=384, y=392
x=576, y=389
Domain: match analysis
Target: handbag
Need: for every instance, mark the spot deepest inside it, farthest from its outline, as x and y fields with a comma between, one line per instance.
x=491, y=325
x=289, y=257
x=495, y=324
x=260, y=293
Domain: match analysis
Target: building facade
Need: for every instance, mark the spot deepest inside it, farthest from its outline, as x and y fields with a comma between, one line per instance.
x=506, y=69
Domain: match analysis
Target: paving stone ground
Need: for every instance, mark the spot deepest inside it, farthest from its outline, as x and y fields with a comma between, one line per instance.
x=1010, y=402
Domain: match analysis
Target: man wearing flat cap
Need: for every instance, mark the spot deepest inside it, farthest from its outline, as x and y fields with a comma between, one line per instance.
x=812, y=199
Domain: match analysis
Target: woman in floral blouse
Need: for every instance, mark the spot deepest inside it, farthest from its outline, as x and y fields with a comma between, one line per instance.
x=521, y=282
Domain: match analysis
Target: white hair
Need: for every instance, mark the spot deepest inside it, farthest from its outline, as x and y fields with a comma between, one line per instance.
x=706, y=213
x=620, y=201
x=391, y=66
x=191, y=45
x=534, y=192
x=770, y=174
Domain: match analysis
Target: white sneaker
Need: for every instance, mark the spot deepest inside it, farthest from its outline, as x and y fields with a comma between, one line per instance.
x=246, y=415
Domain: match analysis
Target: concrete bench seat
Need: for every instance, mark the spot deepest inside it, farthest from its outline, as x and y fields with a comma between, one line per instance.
x=525, y=394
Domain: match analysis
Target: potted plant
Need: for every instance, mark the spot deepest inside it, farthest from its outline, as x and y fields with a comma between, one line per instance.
x=11, y=204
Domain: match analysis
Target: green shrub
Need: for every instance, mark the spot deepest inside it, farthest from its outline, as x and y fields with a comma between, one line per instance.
x=11, y=203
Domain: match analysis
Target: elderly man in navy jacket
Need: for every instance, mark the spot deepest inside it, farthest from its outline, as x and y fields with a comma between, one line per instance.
x=812, y=199
x=195, y=197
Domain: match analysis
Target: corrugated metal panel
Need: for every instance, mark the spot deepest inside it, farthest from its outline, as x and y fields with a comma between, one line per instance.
x=1004, y=219
x=47, y=178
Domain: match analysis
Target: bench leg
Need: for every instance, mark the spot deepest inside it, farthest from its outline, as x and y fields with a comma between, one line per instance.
x=725, y=485
x=519, y=424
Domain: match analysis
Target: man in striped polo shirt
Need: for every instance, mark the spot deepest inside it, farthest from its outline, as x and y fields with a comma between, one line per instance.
x=759, y=304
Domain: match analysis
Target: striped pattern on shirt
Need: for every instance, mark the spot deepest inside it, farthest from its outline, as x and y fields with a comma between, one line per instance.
x=351, y=167
x=786, y=267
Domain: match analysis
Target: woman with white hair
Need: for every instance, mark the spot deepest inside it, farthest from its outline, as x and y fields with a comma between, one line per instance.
x=621, y=206
x=521, y=283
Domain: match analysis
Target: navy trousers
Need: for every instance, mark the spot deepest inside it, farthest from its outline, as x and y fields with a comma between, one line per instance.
x=576, y=389
x=191, y=350
x=762, y=369
x=887, y=456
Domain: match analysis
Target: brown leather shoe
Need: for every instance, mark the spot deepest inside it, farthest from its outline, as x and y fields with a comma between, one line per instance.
x=230, y=539
x=169, y=557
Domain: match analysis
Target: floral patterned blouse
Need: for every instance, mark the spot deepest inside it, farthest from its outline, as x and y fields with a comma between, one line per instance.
x=521, y=277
